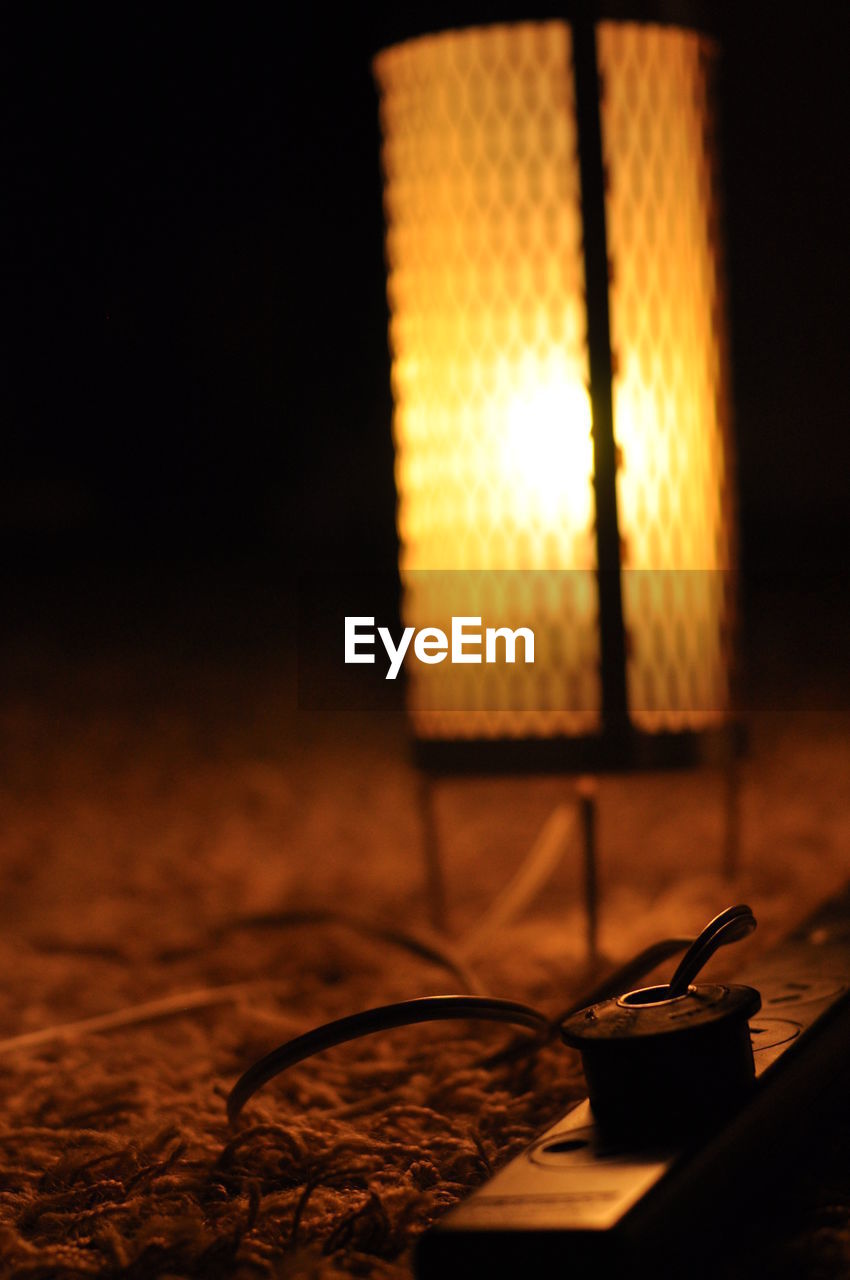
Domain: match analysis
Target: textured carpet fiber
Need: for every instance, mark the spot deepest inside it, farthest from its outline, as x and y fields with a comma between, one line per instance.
x=148, y=806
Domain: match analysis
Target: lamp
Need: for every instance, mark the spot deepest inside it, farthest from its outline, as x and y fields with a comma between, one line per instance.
x=559, y=375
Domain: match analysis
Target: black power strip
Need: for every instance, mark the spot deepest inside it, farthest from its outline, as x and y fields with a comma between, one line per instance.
x=578, y=1197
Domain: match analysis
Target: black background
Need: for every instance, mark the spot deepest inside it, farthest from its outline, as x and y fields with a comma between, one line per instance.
x=195, y=355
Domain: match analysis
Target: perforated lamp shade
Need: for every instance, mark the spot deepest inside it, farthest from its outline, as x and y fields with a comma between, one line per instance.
x=558, y=345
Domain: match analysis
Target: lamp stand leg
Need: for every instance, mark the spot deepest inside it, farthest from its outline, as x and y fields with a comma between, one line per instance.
x=435, y=884
x=731, y=810
x=586, y=793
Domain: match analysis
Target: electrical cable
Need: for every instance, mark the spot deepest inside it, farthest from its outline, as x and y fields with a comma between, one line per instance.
x=384, y=1018
x=354, y=1026
x=420, y=943
x=439, y=1008
x=172, y=1006
x=537, y=867
x=627, y=975
x=617, y=983
x=729, y=926
x=179, y=1003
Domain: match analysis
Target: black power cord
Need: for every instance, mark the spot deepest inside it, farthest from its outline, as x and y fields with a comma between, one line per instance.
x=384, y=1018
x=444, y=1008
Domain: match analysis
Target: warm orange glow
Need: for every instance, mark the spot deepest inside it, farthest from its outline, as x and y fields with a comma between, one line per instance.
x=668, y=332
x=492, y=422
x=543, y=431
x=494, y=456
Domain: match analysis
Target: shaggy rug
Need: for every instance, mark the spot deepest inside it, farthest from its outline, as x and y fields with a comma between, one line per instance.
x=157, y=800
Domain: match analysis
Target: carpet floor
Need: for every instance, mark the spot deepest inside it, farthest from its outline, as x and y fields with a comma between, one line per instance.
x=156, y=806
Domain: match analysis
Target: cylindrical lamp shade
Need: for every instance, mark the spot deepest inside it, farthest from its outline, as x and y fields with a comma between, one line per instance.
x=499, y=416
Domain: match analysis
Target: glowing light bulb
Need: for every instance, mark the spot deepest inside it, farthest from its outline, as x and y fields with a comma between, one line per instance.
x=547, y=448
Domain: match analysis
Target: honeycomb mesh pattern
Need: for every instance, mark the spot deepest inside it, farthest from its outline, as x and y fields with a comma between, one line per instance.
x=489, y=370
x=668, y=337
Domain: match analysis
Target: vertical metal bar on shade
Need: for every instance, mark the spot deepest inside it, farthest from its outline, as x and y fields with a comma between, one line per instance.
x=615, y=715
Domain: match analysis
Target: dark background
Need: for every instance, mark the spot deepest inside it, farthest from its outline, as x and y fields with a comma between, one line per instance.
x=195, y=362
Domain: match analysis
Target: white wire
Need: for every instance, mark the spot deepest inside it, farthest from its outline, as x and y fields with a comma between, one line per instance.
x=537, y=867
x=134, y=1015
